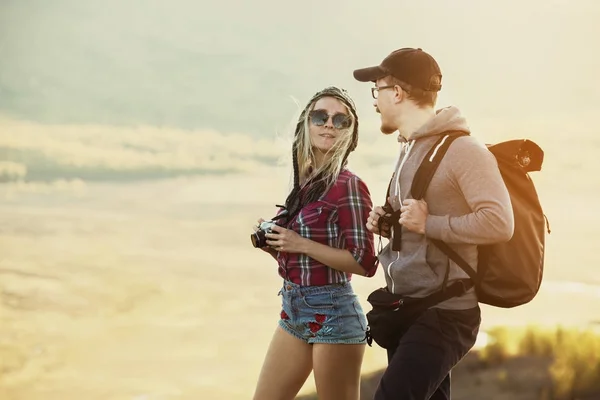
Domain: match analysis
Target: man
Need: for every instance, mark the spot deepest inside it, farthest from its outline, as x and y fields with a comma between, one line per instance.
x=465, y=205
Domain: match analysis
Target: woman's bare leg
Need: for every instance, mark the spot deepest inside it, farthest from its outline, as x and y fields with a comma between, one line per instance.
x=337, y=370
x=287, y=365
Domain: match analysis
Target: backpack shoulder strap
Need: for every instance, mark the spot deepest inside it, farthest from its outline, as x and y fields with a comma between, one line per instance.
x=430, y=164
x=421, y=182
x=454, y=256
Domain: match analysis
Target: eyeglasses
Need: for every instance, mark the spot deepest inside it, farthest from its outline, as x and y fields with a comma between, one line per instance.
x=375, y=90
x=339, y=120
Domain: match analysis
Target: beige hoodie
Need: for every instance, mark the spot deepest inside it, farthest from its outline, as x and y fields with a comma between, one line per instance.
x=468, y=203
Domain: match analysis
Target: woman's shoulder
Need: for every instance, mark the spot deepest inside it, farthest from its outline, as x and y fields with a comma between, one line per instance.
x=350, y=179
x=348, y=182
x=347, y=175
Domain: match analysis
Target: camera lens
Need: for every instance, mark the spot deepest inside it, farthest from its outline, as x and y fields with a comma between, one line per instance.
x=254, y=240
x=258, y=239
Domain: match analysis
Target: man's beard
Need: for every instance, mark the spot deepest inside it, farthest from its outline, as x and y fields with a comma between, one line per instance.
x=386, y=128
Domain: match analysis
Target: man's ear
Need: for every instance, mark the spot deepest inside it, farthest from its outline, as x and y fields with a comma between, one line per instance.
x=399, y=94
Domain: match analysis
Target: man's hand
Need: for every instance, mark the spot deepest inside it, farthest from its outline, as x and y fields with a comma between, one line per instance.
x=414, y=215
x=373, y=223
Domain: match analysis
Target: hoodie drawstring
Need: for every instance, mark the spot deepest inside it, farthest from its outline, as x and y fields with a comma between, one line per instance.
x=406, y=148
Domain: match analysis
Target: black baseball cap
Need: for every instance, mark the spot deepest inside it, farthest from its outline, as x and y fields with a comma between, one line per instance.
x=412, y=66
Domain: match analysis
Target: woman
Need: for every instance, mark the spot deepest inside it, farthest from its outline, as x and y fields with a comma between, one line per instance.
x=319, y=241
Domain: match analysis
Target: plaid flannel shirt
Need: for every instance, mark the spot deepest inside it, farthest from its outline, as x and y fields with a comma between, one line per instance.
x=338, y=219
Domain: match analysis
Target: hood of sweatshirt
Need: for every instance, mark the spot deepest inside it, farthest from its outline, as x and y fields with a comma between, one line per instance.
x=446, y=119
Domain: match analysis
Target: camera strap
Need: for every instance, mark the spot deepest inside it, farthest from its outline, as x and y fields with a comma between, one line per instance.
x=396, y=228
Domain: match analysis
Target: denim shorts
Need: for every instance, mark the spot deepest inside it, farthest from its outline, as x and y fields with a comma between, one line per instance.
x=323, y=314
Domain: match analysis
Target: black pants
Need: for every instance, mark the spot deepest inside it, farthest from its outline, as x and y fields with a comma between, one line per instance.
x=419, y=367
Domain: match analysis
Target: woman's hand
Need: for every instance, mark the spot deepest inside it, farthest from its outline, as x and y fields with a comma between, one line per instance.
x=260, y=221
x=266, y=249
x=286, y=240
x=373, y=223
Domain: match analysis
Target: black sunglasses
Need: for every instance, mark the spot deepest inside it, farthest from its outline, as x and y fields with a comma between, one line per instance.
x=340, y=120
